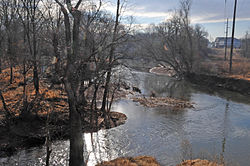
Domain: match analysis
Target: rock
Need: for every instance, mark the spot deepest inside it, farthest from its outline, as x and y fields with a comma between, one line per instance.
x=152, y=94
x=131, y=161
x=135, y=89
x=125, y=85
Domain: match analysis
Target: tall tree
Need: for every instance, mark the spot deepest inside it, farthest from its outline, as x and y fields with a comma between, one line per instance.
x=73, y=80
x=110, y=60
x=31, y=18
x=9, y=17
x=54, y=22
x=1, y=41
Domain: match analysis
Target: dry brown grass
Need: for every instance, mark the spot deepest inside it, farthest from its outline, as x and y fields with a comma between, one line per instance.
x=136, y=161
x=217, y=65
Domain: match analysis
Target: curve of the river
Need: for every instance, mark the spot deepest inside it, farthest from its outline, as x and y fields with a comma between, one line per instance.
x=218, y=127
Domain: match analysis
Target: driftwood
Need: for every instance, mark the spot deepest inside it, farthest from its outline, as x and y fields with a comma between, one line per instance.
x=163, y=102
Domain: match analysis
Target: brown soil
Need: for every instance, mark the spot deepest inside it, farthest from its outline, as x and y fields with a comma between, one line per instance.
x=199, y=162
x=131, y=161
x=176, y=104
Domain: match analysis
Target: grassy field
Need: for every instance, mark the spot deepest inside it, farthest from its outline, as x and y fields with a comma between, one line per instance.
x=215, y=64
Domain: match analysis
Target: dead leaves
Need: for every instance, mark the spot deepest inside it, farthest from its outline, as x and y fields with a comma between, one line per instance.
x=13, y=93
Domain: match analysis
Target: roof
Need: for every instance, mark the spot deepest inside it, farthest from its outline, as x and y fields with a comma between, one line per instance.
x=224, y=38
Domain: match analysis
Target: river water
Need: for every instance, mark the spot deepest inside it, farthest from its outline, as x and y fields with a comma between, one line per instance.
x=218, y=128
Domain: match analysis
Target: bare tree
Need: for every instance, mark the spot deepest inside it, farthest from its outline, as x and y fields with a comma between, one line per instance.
x=53, y=15
x=110, y=60
x=245, y=46
x=9, y=22
x=73, y=80
x=1, y=43
x=175, y=43
x=31, y=18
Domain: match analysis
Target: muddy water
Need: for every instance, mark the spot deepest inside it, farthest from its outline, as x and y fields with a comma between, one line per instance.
x=219, y=126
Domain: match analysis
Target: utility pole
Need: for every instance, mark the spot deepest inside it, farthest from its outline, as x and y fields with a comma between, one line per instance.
x=232, y=40
x=246, y=43
x=225, y=58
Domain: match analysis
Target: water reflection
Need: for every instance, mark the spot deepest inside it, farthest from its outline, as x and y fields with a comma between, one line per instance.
x=219, y=125
x=98, y=147
x=166, y=87
x=224, y=132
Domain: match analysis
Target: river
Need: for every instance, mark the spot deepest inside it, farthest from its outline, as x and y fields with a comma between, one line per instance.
x=218, y=127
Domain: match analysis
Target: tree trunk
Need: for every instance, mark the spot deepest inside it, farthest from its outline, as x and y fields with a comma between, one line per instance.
x=93, y=106
x=36, y=77
x=25, y=103
x=72, y=83
x=48, y=140
x=10, y=56
x=11, y=73
x=104, y=100
x=0, y=64
x=35, y=70
x=76, y=140
x=111, y=57
x=56, y=52
x=7, y=112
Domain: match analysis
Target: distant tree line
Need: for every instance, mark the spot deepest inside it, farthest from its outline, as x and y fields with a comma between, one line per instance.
x=245, y=46
x=175, y=43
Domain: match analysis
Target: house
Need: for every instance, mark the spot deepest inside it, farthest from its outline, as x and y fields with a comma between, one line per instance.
x=220, y=42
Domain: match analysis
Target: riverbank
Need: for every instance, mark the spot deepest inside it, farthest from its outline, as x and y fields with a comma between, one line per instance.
x=31, y=131
x=219, y=82
x=199, y=162
x=239, y=85
x=45, y=113
x=151, y=161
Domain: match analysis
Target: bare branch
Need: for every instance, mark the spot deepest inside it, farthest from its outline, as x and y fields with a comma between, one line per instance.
x=78, y=4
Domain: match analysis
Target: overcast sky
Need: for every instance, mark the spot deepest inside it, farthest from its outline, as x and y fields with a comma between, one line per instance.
x=209, y=13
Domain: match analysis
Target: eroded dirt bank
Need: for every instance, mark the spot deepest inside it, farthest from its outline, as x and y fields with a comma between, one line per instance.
x=227, y=83
x=210, y=81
